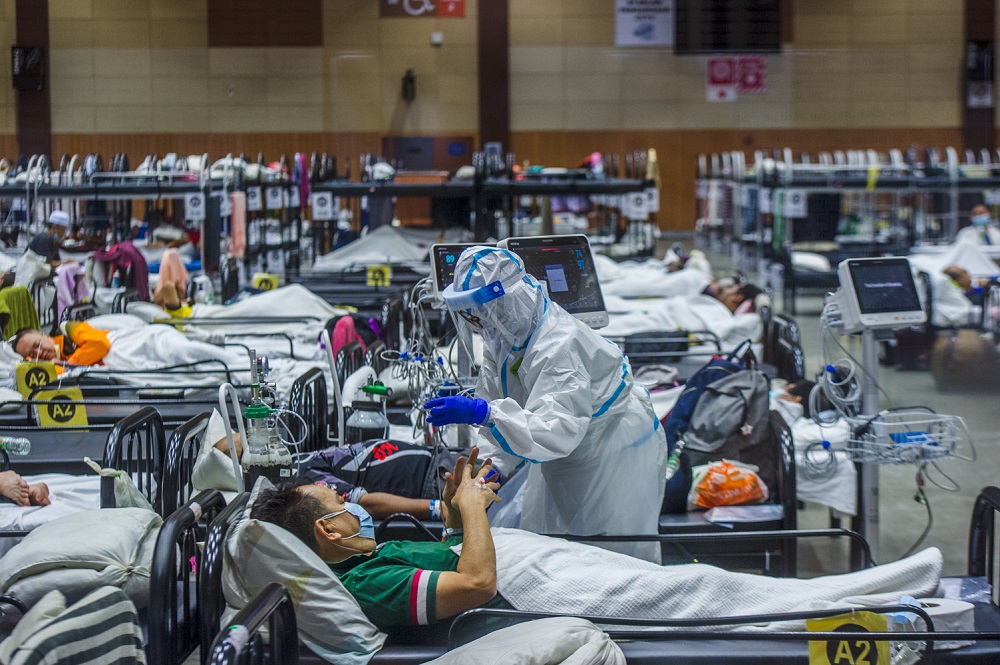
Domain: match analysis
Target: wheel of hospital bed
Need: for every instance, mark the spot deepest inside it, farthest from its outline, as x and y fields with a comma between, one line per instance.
x=772, y=556
x=174, y=624
x=178, y=464
x=137, y=446
x=271, y=610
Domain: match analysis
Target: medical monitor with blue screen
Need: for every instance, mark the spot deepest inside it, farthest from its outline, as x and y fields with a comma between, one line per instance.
x=566, y=266
x=444, y=257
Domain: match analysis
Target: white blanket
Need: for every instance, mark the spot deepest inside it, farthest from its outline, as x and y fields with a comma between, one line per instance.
x=699, y=312
x=294, y=300
x=68, y=494
x=386, y=244
x=536, y=573
x=651, y=278
x=156, y=346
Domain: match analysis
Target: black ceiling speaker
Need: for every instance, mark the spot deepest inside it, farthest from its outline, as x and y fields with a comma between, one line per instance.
x=28, y=67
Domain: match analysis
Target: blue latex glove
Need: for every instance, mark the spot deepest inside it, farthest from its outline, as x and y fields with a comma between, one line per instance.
x=457, y=410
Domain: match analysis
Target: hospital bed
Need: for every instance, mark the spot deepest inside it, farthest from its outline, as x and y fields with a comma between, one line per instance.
x=769, y=555
x=692, y=641
x=43, y=293
x=61, y=449
x=171, y=621
x=161, y=468
x=796, y=278
x=308, y=398
x=271, y=610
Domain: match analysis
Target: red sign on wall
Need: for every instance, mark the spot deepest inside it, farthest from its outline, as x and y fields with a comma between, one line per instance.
x=451, y=8
x=422, y=8
x=721, y=79
x=752, y=74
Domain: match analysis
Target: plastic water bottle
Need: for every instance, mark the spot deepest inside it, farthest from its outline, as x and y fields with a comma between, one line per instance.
x=15, y=445
x=674, y=459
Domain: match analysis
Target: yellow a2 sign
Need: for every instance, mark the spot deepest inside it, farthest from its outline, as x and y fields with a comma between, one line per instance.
x=62, y=407
x=31, y=375
x=854, y=649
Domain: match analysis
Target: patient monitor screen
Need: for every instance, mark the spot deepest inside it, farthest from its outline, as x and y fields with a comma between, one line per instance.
x=444, y=257
x=884, y=286
x=566, y=266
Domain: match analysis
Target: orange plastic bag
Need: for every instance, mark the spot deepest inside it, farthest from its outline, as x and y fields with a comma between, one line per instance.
x=726, y=483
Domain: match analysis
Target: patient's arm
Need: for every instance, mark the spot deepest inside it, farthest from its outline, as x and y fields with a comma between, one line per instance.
x=382, y=504
x=91, y=344
x=474, y=583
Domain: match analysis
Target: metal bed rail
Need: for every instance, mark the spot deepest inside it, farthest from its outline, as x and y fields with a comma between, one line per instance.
x=174, y=629
x=243, y=642
x=459, y=631
x=136, y=446
x=178, y=465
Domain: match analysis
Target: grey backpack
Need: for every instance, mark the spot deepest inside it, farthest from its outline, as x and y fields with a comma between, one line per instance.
x=731, y=420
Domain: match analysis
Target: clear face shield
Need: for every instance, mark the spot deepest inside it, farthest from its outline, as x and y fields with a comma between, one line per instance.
x=466, y=308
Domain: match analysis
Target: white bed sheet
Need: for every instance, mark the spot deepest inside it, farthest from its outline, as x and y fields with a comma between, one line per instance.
x=650, y=278
x=68, y=494
x=698, y=312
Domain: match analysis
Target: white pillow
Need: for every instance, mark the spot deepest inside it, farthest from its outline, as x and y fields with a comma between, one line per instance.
x=540, y=642
x=146, y=311
x=213, y=469
x=116, y=322
x=80, y=552
x=810, y=261
x=330, y=622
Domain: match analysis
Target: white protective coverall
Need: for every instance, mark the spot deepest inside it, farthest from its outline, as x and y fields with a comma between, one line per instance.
x=562, y=398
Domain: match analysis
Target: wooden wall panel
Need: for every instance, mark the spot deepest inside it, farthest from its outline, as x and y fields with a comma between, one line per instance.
x=678, y=151
x=256, y=23
x=8, y=146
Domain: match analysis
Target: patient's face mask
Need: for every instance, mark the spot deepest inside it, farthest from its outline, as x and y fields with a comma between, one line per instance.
x=981, y=220
x=366, y=528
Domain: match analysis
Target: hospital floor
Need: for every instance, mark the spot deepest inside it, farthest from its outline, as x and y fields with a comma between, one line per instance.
x=902, y=519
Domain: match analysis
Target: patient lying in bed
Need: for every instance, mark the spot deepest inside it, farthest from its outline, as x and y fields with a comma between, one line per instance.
x=405, y=584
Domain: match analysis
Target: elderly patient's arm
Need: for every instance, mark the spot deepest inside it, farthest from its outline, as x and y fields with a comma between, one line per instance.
x=474, y=583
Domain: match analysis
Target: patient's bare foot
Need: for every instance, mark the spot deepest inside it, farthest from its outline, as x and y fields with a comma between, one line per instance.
x=14, y=487
x=38, y=494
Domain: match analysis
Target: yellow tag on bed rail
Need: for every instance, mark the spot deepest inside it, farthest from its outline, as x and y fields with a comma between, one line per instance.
x=63, y=408
x=265, y=281
x=854, y=649
x=31, y=375
x=379, y=275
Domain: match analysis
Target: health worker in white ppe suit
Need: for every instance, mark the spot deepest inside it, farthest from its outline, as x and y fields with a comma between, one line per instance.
x=554, y=394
